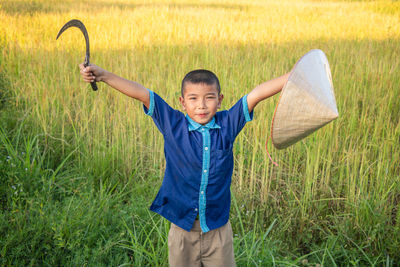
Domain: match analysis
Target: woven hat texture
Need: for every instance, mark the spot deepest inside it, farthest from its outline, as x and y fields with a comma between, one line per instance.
x=307, y=101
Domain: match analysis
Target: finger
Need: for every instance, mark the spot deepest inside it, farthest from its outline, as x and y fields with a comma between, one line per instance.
x=81, y=66
x=89, y=80
x=84, y=71
x=86, y=75
x=90, y=68
x=92, y=77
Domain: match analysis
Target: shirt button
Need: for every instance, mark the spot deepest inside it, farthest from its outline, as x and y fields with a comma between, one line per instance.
x=202, y=129
x=205, y=171
x=202, y=192
x=206, y=148
x=195, y=209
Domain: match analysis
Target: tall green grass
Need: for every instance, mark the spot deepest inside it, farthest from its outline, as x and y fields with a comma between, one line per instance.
x=79, y=168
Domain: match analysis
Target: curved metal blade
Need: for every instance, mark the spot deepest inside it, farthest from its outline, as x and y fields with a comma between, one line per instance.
x=81, y=26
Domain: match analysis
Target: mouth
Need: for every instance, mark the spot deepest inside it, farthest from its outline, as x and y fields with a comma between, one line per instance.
x=202, y=115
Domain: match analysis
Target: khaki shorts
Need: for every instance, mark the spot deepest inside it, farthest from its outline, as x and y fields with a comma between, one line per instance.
x=195, y=248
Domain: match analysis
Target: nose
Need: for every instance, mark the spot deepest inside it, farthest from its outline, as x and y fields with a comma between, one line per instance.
x=202, y=103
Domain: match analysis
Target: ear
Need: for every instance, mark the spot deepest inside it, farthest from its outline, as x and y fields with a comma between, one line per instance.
x=220, y=98
x=182, y=100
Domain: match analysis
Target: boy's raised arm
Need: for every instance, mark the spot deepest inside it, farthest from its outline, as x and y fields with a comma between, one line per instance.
x=265, y=90
x=133, y=89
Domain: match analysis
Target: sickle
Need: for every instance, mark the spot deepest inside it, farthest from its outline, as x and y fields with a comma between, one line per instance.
x=79, y=24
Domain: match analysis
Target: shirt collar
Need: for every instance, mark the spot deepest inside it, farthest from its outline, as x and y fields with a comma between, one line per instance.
x=193, y=126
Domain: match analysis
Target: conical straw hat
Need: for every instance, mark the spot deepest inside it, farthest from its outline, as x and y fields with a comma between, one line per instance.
x=307, y=101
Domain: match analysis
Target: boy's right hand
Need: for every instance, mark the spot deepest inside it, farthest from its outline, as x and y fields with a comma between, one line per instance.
x=92, y=73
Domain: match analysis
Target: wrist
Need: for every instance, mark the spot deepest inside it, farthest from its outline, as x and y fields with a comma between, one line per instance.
x=106, y=76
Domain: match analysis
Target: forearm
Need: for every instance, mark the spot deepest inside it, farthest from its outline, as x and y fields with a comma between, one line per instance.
x=93, y=73
x=127, y=87
x=265, y=90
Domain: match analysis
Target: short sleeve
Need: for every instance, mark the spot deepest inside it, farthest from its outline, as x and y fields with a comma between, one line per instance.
x=239, y=115
x=164, y=116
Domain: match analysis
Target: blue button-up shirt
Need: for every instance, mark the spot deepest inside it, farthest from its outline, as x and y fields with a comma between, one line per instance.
x=199, y=164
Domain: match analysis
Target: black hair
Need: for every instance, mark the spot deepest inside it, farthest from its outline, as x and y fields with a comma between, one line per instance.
x=201, y=76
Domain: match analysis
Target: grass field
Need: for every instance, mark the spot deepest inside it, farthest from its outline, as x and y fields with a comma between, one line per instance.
x=79, y=169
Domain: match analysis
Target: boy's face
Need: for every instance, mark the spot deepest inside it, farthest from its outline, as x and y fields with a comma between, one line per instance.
x=201, y=101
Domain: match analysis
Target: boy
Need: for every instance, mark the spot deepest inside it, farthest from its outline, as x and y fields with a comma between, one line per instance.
x=195, y=193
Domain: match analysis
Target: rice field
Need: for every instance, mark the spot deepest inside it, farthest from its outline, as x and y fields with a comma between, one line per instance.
x=79, y=169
